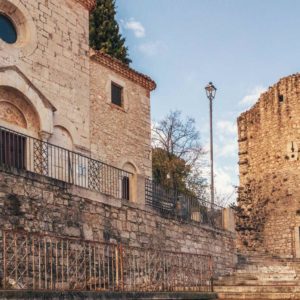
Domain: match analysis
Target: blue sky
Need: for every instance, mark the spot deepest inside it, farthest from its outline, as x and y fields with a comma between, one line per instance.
x=242, y=46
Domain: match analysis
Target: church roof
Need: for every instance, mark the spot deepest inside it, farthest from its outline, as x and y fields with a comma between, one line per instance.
x=123, y=69
x=89, y=4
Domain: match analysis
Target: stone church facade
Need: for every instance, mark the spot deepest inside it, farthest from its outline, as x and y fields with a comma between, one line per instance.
x=268, y=216
x=55, y=89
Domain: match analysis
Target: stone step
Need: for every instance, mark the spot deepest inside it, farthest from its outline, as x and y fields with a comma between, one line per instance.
x=265, y=266
x=259, y=296
x=254, y=282
x=264, y=277
x=264, y=273
x=257, y=289
x=284, y=276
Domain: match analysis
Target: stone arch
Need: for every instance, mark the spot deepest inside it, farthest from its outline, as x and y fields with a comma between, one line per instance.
x=61, y=137
x=16, y=111
x=130, y=167
x=11, y=114
x=133, y=180
x=12, y=78
x=61, y=121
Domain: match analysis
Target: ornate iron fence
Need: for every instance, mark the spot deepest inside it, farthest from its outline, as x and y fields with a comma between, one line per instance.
x=23, y=152
x=44, y=262
x=171, y=204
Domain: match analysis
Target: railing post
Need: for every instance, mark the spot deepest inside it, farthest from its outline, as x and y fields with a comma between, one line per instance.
x=211, y=270
x=121, y=266
x=4, y=260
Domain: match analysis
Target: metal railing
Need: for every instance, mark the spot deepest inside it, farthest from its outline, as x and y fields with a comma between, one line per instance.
x=44, y=262
x=172, y=204
x=23, y=152
x=156, y=270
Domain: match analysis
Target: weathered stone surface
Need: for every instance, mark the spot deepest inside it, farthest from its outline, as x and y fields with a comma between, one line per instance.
x=54, y=59
x=98, y=221
x=105, y=296
x=268, y=203
x=120, y=135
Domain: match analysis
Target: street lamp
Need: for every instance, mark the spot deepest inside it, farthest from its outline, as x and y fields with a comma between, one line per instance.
x=211, y=93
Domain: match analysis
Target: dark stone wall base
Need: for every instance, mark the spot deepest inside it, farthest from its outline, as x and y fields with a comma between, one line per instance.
x=103, y=296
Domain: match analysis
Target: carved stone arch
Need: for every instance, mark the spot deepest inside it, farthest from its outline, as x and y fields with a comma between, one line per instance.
x=61, y=121
x=11, y=114
x=61, y=137
x=17, y=111
x=13, y=78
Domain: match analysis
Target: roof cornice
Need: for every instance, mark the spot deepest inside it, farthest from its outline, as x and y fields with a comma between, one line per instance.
x=88, y=4
x=123, y=69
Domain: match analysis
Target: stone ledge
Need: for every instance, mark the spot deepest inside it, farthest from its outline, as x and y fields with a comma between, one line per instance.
x=104, y=295
x=94, y=196
x=102, y=198
x=150, y=210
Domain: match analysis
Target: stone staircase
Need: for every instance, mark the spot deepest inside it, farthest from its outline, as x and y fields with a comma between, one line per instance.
x=261, y=277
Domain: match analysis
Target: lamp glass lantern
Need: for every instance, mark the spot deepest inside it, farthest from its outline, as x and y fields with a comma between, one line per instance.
x=210, y=91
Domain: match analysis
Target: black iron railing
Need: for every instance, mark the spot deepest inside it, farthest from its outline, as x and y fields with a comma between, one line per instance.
x=172, y=204
x=20, y=151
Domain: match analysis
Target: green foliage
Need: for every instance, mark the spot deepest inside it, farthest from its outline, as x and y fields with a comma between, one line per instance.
x=104, y=31
x=169, y=170
x=177, y=155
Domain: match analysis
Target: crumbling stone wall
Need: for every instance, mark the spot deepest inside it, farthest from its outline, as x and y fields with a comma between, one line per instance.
x=37, y=204
x=269, y=139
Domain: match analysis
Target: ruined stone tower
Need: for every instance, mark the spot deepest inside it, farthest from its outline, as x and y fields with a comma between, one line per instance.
x=268, y=217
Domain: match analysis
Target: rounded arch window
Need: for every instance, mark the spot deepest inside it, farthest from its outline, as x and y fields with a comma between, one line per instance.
x=8, y=32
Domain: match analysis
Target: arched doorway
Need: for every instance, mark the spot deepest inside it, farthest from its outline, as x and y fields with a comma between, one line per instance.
x=18, y=120
x=129, y=182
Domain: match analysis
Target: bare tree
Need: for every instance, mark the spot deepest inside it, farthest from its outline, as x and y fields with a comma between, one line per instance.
x=178, y=137
x=178, y=153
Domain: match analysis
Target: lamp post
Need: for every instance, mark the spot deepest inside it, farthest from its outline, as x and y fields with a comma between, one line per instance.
x=211, y=93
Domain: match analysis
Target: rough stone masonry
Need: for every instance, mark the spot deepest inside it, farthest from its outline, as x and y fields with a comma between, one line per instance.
x=268, y=215
x=38, y=204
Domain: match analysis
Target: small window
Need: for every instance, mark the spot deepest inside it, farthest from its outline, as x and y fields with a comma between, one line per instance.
x=116, y=94
x=8, y=31
x=125, y=188
x=280, y=98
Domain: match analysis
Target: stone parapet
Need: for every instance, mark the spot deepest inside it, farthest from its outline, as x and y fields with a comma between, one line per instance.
x=38, y=204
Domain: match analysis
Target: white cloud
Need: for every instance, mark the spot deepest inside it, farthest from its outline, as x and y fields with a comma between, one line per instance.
x=226, y=142
x=228, y=149
x=226, y=179
x=225, y=190
x=136, y=27
x=252, y=97
x=152, y=48
x=227, y=127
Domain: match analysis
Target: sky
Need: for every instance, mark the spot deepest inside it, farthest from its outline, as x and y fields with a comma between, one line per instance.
x=243, y=46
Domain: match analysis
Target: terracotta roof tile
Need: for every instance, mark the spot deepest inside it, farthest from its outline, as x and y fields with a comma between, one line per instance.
x=123, y=69
x=89, y=4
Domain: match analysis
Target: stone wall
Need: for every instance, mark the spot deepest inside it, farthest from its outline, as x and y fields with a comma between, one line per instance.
x=52, y=51
x=38, y=204
x=36, y=295
x=120, y=135
x=269, y=140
